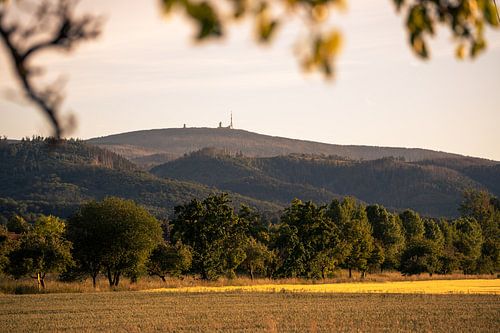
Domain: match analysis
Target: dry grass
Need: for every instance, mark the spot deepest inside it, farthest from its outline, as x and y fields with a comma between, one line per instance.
x=28, y=286
x=248, y=312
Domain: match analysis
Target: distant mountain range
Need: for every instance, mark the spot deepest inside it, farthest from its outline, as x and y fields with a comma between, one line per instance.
x=164, y=168
x=153, y=147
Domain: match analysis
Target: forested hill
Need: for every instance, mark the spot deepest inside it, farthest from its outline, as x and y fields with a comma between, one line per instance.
x=54, y=179
x=152, y=147
x=433, y=189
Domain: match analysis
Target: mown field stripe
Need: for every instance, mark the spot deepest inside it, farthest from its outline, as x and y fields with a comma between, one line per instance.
x=473, y=286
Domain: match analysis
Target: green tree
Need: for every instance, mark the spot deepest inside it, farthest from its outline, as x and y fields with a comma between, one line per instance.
x=485, y=208
x=169, y=260
x=309, y=244
x=214, y=233
x=388, y=233
x=420, y=256
x=43, y=249
x=5, y=247
x=114, y=236
x=448, y=258
x=355, y=230
x=468, y=243
x=17, y=224
x=291, y=259
x=257, y=258
x=413, y=226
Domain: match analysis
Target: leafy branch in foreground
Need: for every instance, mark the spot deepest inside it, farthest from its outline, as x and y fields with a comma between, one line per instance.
x=28, y=29
x=467, y=20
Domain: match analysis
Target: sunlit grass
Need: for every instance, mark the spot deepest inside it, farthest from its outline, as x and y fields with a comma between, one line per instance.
x=339, y=282
x=472, y=286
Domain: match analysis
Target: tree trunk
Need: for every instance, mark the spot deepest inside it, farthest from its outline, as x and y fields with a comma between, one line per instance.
x=363, y=274
x=350, y=272
x=323, y=273
x=163, y=278
x=116, y=279
x=110, y=278
x=251, y=273
x=94, y=278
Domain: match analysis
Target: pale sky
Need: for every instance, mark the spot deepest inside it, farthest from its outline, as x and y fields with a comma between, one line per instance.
x=145, y=72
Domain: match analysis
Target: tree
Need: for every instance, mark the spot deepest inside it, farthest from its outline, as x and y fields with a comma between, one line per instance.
x=41, y=250
x=468, y=243
x=257, y=257
x=5, y=247
x=169, y=260
x=420, y=256
x=114, y=236
x=388, y=234
x=309, y=244
x=355, y=230
x=214, y=233
x=448, y=258
x=57, y=28
x=413, y=226
x=485, y=208
x=17, y=224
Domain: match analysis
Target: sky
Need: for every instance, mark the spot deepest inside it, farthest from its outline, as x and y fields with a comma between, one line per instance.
x=146, y=72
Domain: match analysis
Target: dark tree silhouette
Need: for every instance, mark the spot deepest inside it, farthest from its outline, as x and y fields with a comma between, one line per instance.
x=45, y=25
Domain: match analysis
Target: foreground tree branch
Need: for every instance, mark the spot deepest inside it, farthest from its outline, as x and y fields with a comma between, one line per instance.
x=55, y=27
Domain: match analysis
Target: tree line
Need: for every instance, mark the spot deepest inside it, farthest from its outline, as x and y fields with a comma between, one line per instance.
x=114, y=238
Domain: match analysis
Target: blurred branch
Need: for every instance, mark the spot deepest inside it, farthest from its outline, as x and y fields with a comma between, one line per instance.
x=55, y=28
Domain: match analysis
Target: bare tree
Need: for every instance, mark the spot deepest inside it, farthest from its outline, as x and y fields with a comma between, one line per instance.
x=28, y=28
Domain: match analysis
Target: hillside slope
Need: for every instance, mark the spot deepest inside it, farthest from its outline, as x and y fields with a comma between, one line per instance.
x=39, y=177
x=430, y=189
x=162, y=145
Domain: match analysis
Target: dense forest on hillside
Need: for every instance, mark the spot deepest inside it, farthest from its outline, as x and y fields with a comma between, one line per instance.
x=430, y=188
x=40, y=177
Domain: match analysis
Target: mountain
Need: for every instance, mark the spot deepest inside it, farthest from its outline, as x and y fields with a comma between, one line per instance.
x=41, y=177
x=153, y=147
x=431, y=188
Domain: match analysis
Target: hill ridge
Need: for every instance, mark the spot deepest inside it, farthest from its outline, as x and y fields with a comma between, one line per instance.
x=154, y=146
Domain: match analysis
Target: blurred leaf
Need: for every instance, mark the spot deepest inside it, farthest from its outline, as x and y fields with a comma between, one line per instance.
x=460, y=52
x=477, y=46
x=265, y=25
x=208, y=22
x=399, y=3
x=319, y=12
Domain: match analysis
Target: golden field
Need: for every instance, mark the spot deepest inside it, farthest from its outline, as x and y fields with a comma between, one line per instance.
x=472, y=286
x=136, y=311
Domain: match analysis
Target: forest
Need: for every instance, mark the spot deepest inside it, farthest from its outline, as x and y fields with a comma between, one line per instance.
x=115, y=238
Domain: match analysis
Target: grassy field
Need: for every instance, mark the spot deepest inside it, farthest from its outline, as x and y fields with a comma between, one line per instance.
x=475, y=286
x=248, y=312
x=28, y=285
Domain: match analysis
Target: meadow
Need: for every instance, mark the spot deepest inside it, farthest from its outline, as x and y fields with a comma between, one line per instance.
x=248, y=312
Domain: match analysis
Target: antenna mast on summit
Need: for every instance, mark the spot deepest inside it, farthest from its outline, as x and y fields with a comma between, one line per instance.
x=231, y=126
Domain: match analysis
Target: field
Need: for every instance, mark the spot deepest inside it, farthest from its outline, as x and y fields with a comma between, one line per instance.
x=475, y=286
x=248, y=312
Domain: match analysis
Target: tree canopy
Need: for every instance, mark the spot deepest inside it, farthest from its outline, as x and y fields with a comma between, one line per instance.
x=114, y=236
